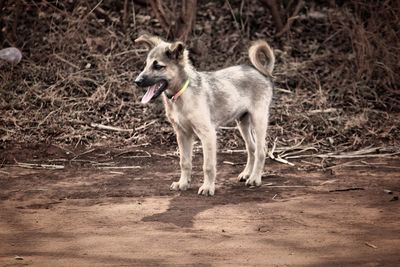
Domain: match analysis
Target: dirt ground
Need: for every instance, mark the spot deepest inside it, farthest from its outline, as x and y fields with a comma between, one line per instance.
x=93, y=214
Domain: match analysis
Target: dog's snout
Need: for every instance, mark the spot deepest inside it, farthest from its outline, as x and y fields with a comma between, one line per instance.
x=139, y=81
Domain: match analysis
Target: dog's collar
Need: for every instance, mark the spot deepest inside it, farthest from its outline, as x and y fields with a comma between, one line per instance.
x=179, y=93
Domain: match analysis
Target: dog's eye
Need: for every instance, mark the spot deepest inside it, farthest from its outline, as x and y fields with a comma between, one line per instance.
x=157, y=66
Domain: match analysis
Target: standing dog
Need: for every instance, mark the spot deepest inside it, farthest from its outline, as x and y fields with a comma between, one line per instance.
x=197, y=103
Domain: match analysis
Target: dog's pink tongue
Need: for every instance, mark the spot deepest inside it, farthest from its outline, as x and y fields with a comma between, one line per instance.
x=149, y=94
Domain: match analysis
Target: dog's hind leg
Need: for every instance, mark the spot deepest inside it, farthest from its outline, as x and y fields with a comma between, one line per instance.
x=245, y=129
x=185, y=143
x=260, y=122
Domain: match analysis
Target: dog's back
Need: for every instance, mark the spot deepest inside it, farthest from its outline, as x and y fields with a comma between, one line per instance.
x=233, y=91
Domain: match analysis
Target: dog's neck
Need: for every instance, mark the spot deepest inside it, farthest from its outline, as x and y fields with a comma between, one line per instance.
x=190, y=74
x=179, y=93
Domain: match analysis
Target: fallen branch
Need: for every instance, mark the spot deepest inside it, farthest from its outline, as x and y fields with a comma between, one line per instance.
x=370, y=245
x=362, y=153
x=227, y=127
x=146, y=154
x=114, y=172
x=119, y=167
x=328, y=110
x=347, y=189
x=284, y=161
x=345, y=156
x=81, y=154
x=329, y=182
x=38, y=166
x=231, y=151
x=231, y=163
x=287, y=186
x=146, y=125
x=286, y=155
x=66, y=61
x=110, y=128
x=278, y=158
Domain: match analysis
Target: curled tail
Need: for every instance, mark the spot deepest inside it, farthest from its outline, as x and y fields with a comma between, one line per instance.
x=254, y=55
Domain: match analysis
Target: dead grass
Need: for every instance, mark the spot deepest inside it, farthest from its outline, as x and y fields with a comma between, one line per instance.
x=335, y=75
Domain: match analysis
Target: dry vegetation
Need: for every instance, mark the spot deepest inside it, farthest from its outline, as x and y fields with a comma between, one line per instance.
x=336, y=74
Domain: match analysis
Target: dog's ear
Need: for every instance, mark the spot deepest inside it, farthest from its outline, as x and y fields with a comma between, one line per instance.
x=147, y=40
x=175, y=50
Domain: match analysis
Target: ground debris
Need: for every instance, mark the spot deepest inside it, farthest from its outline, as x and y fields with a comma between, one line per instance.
x=230, y=163
x=329, y=182
x=387, y=191
x=88, y=86
x=370, y=245
x=38, y=166
x=264, y=229
x=347, y=189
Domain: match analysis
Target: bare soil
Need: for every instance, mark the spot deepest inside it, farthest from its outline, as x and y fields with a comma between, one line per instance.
x=83, y=215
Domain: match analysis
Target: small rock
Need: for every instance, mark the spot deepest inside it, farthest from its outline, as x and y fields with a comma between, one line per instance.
x=11, y=55
x=263, y=229
x=395, y=198
x=387, y=191
x=18, y=258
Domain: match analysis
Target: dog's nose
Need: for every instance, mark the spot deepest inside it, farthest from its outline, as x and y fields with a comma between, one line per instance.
x=139, y=81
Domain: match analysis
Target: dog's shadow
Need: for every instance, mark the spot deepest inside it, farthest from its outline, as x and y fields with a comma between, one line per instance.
x=186, y=205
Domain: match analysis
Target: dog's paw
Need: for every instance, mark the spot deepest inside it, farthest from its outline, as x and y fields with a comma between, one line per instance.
x=253, y=181
x=179, y=186
x=243, y=176
x=207, y=189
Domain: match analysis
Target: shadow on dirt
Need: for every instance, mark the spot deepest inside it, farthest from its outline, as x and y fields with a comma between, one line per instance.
x=186, y=205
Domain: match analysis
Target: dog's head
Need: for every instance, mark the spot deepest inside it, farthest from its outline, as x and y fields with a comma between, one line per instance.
x=165, y=67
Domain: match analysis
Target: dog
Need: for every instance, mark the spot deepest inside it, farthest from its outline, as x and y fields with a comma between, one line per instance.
x=197, y=103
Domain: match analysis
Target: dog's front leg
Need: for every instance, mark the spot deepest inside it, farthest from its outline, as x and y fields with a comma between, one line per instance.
x=208, y=141
x=185, y=144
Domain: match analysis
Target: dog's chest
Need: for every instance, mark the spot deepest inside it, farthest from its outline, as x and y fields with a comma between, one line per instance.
x=177, y=116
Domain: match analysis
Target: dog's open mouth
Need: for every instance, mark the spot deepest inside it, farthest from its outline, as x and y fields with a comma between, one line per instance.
x=154, y=91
